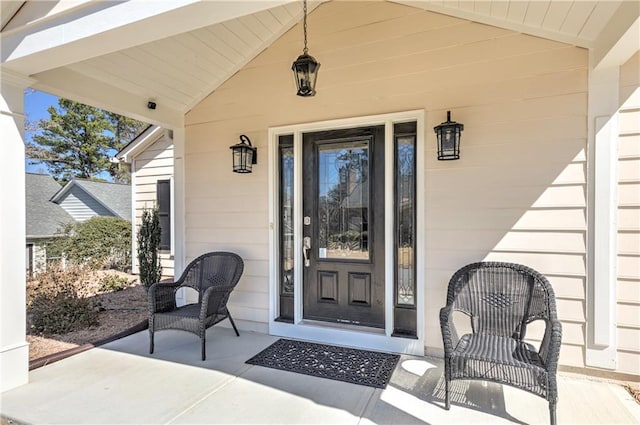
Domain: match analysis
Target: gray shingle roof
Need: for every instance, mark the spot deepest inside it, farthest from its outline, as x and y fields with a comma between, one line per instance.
x=116, y=197
x=43, y=217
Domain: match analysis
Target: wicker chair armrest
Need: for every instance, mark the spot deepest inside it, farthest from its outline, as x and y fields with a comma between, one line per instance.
x=213, y=299
x=449, y=334
x=162, y=296
x=550, y=348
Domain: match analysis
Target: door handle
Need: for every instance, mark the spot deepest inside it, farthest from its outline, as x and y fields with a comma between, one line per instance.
x=306, y=248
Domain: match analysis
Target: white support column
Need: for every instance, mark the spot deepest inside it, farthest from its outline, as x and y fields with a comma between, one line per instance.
x=613, y=47
x=14, y=350
x=134, y=222
x=179, y=224
x=602, y=212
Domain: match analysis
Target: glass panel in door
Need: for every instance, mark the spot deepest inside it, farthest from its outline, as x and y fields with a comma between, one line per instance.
x=343, y=200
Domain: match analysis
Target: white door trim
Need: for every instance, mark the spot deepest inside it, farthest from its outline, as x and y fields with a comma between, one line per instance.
x=364, y=338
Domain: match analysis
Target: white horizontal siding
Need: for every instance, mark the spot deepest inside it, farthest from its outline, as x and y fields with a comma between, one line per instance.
x=628, y=263
x=517, y=194
x=153, y=164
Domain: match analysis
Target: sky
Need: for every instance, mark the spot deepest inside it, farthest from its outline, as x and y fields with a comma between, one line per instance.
x=36, y=104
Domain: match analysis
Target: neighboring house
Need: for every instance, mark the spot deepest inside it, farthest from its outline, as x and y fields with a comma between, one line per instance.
x=548, y=92
x=49, y=206
x=150, y=156
x=83, y=199
x=44, y=219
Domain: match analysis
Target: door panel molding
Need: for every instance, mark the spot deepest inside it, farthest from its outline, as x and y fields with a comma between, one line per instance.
x=327, y=287
x=359, y=289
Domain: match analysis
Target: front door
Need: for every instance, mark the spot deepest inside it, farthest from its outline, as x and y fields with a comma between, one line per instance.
x=343, y=226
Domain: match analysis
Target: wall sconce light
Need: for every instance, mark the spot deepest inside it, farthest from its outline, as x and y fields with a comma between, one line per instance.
x=448, y=134
x=305, y=68
x=244, y=155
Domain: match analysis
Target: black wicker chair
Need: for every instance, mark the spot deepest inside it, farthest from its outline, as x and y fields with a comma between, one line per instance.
x=501, y=299
x=213, y=276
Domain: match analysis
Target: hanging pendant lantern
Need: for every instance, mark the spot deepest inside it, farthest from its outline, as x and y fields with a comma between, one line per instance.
x=305, y=68
x=244, y=155
x=448, y=134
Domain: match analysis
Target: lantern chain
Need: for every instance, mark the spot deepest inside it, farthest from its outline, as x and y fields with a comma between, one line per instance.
x=304, y=8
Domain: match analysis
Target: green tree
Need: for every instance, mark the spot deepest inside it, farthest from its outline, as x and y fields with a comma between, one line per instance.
x=149, y=266
x=78, y=140
x=125, y=129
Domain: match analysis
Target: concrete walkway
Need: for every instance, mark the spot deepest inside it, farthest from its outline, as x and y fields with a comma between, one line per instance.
x=119, y=383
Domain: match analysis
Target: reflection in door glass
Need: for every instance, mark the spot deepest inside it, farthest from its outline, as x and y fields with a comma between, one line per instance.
x=343, y=200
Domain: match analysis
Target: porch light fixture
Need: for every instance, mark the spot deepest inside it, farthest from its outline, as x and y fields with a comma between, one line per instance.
x=305, y=68
x=244, y=155
x=448, y=134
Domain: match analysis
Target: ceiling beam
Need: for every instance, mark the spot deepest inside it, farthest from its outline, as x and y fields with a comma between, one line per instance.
x=87, y=90
x=99, y=28
x=8, y=10
x=621, y=37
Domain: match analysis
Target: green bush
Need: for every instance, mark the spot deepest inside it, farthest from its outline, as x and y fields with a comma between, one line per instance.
x=100, y=242
x=148, y=247
x=54, y=303
x=113, y=283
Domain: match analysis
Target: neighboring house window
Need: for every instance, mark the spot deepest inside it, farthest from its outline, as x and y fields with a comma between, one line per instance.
x=163, y=191
x=29, y=259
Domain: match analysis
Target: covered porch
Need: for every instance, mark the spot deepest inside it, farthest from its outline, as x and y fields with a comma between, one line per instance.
x=548, y=177
x=121, y=383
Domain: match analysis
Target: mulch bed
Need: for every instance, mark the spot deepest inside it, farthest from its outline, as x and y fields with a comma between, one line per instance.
x=121, y=313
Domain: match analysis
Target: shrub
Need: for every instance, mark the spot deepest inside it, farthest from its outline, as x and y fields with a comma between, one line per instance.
x=98, y=242
x=148, y=247
x=113, y=283
x=55, y=304
x=55, y=277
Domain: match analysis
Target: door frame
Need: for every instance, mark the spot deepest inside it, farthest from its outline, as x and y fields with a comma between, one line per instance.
x=369, y=338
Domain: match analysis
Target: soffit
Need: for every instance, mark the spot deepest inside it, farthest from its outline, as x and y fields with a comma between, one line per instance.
x=573, y=22
x=179, y=71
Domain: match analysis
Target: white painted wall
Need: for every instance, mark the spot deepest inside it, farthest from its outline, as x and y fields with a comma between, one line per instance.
x=517, y=193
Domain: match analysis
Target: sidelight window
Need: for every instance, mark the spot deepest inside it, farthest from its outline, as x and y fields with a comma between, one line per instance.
x=286, y=178
x=405, y=228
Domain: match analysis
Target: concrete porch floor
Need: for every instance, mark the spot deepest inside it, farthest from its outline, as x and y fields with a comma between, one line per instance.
x=120, y=383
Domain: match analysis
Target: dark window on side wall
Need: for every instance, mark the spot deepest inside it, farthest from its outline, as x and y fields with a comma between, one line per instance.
x=163, y=192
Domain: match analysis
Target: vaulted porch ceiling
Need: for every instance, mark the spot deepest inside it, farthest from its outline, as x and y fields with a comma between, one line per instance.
x=120, y=55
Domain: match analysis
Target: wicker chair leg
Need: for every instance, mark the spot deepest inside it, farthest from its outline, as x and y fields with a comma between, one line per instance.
x=447, y=403
x=233, y=324
x=150, y=341
x=203, y=343
x=552, y=412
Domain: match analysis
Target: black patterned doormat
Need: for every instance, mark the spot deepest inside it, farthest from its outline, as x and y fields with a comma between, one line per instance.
x=362, y=367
